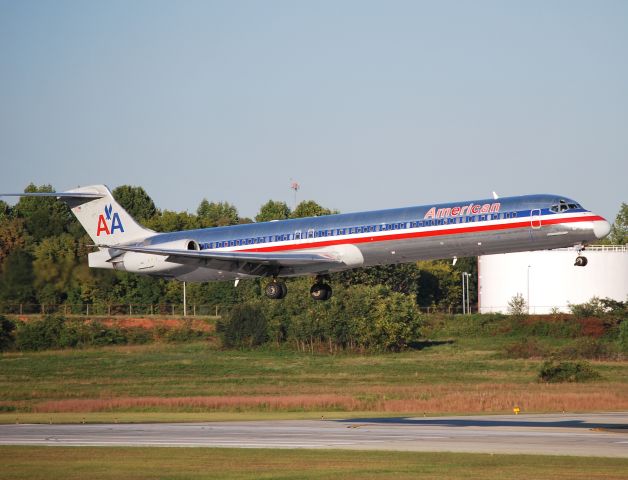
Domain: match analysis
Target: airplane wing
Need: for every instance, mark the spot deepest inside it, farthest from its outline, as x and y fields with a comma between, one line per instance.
x=253, y=263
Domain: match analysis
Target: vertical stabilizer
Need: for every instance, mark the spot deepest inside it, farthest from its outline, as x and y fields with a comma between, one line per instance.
x=103, y=218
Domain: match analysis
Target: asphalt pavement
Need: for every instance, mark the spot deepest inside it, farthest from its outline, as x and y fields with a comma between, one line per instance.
x=582, y=435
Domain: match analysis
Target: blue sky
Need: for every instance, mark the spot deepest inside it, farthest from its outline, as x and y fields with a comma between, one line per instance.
x=367, y=104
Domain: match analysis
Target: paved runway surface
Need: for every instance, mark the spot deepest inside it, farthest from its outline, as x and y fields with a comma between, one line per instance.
x=588, y=434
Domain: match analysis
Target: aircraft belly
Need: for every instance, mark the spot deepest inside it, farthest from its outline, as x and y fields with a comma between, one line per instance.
x=424, y=248
x=472, y=244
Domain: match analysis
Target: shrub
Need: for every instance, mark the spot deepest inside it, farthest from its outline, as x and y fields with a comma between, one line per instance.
x=517, y=306
x=7, y=338
x=592, y=308
x=40, y=334
x=553, y=372
x=102, y=335
x=184, y=334
x=138, y=335
x=622, y=339
x=246, y=326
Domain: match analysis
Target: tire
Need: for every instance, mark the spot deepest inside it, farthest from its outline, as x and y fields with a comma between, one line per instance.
x=284, y=289
x=320, y=291
x=274, y=290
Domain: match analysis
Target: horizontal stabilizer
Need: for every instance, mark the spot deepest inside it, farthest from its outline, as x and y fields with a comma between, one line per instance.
x=66, y=195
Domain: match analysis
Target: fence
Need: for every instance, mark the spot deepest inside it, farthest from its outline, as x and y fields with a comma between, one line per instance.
x=140, y=309
x=134, y=309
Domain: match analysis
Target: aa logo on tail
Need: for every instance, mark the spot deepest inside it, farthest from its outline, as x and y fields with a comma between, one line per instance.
x=108, y=223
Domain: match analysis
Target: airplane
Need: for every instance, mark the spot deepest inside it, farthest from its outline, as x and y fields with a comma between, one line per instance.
x=318, y=246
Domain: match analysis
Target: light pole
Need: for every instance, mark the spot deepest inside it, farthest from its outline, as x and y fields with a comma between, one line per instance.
x=528, y=300
x=466, y=302
x=185, y=310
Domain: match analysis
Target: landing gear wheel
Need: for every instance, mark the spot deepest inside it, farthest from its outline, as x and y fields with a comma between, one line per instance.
x=581, y=261
x=276, y=290
x=320, y=291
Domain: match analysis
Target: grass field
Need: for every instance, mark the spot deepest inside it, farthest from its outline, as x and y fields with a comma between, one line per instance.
x=70, y=463
x=199, y=382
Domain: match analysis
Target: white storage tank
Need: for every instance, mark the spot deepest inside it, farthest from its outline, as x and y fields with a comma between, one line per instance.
x=548, y=279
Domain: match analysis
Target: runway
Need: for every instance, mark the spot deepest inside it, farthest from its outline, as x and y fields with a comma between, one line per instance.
x=582, y=435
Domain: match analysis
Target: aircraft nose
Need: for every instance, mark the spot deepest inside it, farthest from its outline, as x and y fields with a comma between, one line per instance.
x=601, y=228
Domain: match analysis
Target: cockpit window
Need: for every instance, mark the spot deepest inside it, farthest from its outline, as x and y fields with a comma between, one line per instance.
x=563, y=206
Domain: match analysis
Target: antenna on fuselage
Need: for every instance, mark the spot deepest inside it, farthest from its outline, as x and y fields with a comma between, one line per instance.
x=495, y=196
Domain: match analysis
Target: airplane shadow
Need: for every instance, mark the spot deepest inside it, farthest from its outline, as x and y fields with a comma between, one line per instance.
x=420, y=345
x=474, y=422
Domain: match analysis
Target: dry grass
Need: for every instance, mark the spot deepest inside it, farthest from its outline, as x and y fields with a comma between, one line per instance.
x=276, y=403
x=484, y=398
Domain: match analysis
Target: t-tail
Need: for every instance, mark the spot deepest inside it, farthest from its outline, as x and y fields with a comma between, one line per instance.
x=105, y=221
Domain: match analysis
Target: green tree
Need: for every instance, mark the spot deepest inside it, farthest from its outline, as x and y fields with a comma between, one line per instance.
x=397, y=322
x=131, y=288
x=246, y=326
x=217, y=214
x=309, y=208
x=273, y=210
x=440, y=282
x=12, y=236
x=7, y=337
x=168, y=221
x=5, y=211
x=619, y=230
x=44, y=216
x=403, y=278
x=16, y=278
x=136, y=202
x=55, y=259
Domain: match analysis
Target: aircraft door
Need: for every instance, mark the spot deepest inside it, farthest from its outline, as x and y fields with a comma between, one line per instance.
x=535, y=218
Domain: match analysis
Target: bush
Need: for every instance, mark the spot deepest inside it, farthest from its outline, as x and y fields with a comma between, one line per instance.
x=102, y=335
x=138, y=335
x=79, y=333
x=246, y=326
x=553, y=372
x=40, y=334
x=592, y=308
x=7, y=338
x=622, y=339
x=185, y=334
x=517, y=306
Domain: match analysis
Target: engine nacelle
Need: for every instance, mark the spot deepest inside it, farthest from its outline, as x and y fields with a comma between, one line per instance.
x=157, y=264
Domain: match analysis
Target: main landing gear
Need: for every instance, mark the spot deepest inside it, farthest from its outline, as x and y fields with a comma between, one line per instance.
x=276, y=289
x=320, y=291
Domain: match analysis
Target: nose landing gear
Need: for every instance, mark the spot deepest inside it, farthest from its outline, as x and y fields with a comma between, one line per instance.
x=581, y=260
